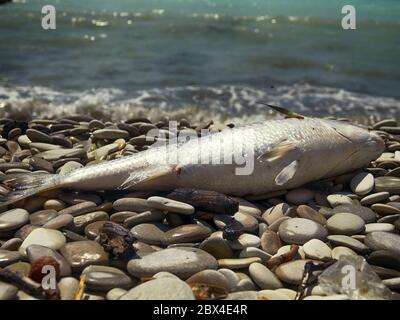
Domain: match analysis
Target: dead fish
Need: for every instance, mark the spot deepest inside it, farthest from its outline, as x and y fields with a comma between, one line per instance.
x=253, y=159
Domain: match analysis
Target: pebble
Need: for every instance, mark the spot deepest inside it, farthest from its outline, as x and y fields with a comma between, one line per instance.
x=307, y=212
x=22, y=268
x=362, y=183
x=263, y=277
x=186, y=233
x=383, y=227
x=183, y=262
x=374, y=198
x=49, y=238
x=246, y=207
x=275, y=213
x=7, y=291
x=131, y=204
x=68, y=287
x=153, y=215
x=39, y=218
x=384, y=258
x=169, y=205
x=59, y=222
x=150, y=233
x=13, y=219
x=275, y=225
x=349, y=242
x=270, y=242
x=79, y=208
x=115, y=294
x=80, y=254
x=232, y=278
x=12, y=244
x=318, y=250
x=272, y=295
x=300, y=230
x=385, y=209
x=243, y=295
x=237, y=263
x=164, y=288
x=338, y=199
x=345, y=224
x=299, y=196
x=103, y=278
x=383, y=241
x=339, y=251
x=111, y=134
x=393, y=283
x=211, y=278
x=36, y=252
x=292, y=271
x=80, y=222
x=217, y=247
x=255, y=252
x=8, y=257
x=388, y=184
x=54, y=204
x=245, y=240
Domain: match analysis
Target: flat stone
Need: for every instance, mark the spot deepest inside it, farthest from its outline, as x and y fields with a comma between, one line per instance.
x=115, y=294
x=217, y=247
x=300, y=230
x=362, y=183
x=103, y=278
x=388, y=184
x=274, y=226
x=243, y=295
x=318, y=250
x=39, y=218
x=49, y=238
x=299, y=196
x=169, y=205
x=121, y=216
x=270, y=242
x=22, y=268
x=337, y=252
x=338, y=199
x=245, y=240
x=68, y=287
x=69, y=167
x=285, y=249
x=345, y=224
x=211, y=278
x=383, y=241
x=182, y=261
x=35, y=252
x=13, y=219
x=364, y=213
x=255, y=252
x=153, y=215
x=59, y=222
x=374, y=198
x=150, y=233
x=263, y=277
x=385, y=209
x=232, y=278
x=275, y=213
x=110, y=134
x=246, y=207
x=249, y=223
x=12, y=244
x=79, y=208
x=389, y=219
x=160, y=289
x=384, y=258
x=382, y=227
x=238, y=263
x=307, y=212
x=80, y=222
x=81, y=254
x=292, y=271
x=8, y=257
x=272, y=295
x=393, y=283
x=7, y=291
x=348, y=242
x=137, y=205
x=187, y=233
x=54, y=204
x=73, y=198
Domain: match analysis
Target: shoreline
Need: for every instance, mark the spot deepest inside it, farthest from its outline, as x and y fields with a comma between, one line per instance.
x=112, y=243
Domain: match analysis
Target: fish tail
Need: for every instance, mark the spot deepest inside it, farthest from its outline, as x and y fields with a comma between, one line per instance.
x=24, y=185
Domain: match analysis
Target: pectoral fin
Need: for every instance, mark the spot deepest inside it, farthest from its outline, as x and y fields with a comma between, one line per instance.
x=146, y=175
x=286, y=112
x=278, y=152
x=287, y=173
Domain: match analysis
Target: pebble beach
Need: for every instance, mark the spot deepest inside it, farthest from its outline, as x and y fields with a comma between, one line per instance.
x=126, y=245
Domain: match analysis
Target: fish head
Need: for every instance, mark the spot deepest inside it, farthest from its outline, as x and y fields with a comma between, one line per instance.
x=364, y=145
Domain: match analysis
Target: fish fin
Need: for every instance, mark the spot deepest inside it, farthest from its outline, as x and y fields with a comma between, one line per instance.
x=149, y=175
x=24, y=185
x=278, y=152
x=287, y=173
x=286, y=112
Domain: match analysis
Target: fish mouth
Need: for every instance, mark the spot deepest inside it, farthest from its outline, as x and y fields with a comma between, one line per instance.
x=376, y=143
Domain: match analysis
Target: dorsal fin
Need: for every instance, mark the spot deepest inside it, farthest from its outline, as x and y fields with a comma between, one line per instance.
x=287, y=113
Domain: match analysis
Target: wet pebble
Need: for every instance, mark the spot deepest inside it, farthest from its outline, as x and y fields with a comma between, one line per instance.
x=345, y=224
x=169, y=205
x=374, y=198
x=362, y=183
x=36, y=252
x=8, y=257
x=103, y=278
x=13, y=219
x=49, y=238
x=300, y=230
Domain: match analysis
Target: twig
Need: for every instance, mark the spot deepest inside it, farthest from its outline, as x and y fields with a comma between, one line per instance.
x=273, y=263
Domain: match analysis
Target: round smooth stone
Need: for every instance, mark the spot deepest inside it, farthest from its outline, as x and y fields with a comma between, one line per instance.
x=164, y=288
x=383, y=227
x=36, y=252
x=24, y=232
x=238, y=263
x=243, y=295
x=182, y=262
x=275, y=213
x=338, y=199
x=12, y=244
x=80, y=254
x=307, y=212
x=250, y=224
x=144, y=217
x=291, y=294
x=120, y=217
x=186, y=233
x=389, y=219
x=93, y=230
x=384, y=258
x=39, y=218
x=255, y=252
x=374, y=198
x=68, y=287
x=54, y=204
x=8, y=257
x=59, y=222
x=13, y=219
x=274, y=226
x=383, y=241
x=349, y=242
x=362, y=183
x=232, y=278
x=263, y=277
x=299, y=196
x=150, y=233
x=345, y=224
x=272, y=295
x=169, y=205
x=22, y=268
x=365, y=213
x=137, y=205
x=217, y=247
x=337, y=252
x=7, y=291
x=69, y=167
x=318, y=250
x=80, y=222
x=299, y=231
x=110, y=134
x=211, y=278
x=285, y=249
x=388, y=183
x=270, y=242
x=385, y=209
x=79, y=208
x=49, y=238
x=393, y=283
x=292, y=271
x=115, y=294
x=102, y=278
x=246, y=207
x=245, y=240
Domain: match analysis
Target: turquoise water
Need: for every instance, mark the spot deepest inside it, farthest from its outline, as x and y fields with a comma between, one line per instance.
x=223, y=55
